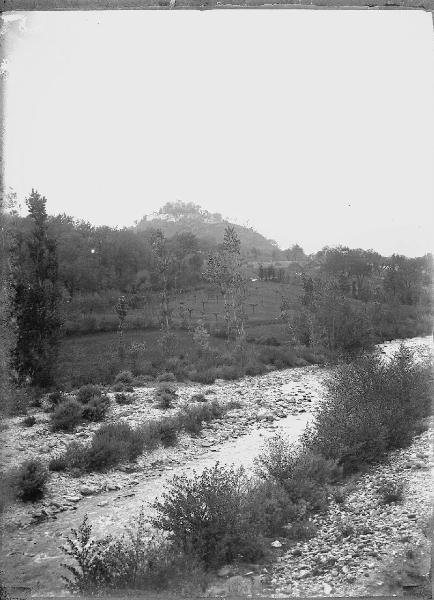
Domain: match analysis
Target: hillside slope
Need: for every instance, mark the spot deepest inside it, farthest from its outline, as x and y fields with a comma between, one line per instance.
x=180, y=217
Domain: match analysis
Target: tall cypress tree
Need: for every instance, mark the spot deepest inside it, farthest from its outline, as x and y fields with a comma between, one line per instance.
x=36, y=299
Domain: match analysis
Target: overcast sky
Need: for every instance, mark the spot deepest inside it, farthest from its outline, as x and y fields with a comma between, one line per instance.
x=313, y=127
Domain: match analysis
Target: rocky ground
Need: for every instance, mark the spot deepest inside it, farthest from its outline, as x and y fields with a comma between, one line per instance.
x=264, y=399
x=361, y=547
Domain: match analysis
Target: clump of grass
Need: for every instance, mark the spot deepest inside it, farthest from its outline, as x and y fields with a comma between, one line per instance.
x=390, y=491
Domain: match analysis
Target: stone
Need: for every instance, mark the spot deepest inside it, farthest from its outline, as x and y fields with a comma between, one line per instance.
x=276, y=544
x=73, y=498
x=327, y=589
x=103, y=503
x=88, y=490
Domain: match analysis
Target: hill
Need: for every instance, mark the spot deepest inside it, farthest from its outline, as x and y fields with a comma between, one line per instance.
x=180, y=217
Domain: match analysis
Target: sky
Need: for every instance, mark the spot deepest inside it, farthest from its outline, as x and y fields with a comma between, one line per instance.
x=312, y=127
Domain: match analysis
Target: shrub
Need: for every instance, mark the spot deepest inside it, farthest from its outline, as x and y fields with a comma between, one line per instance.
x=58, y=463
x=198, y=398
x=390, y=491
x=205, y=515
x=269, y=507
x=87, y=392
x=278, y=357
x=304, y=475
x=114, y=443
x=216, y=409
x=67, y=415
x=233, y=404
x=142, y=380
x=124, y=377
x=123, y=399
x=118, y=387
x=168, y=430
x=371, y=406
x=96, y=409
x=149, y=435
x=134, y=562
x=75, y=458
x=165, y=395
x=30, y=480
x=29, y=421
x=255, y=368
x=207, y=376
x=166, y=377
x=228, y=372
x=55, y=397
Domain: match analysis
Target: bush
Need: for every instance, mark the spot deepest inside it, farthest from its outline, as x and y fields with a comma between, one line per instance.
x=87, y=392
x=124, y=377
x=58, y=463
x=372, y=406
x=67, y=415
x=207, y=376
x=29, y=421
x=228, y=372
x=198, y=398
x=205, y=515
x=56, y=398
x=30, y=480
x=233, y=405
x=118, y=387
x=166, y=377
x=96, y=409
x=114, y=443
x=75, y=458
x=165, y=395
x=255, y=368
x=168, y=431
x=132, y=562
x=123, y=399
x=278, y=357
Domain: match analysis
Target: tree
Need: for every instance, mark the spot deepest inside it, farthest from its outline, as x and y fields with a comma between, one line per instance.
x=225, y=270
x=6, y=329
x=36, y=298
x=162, y=263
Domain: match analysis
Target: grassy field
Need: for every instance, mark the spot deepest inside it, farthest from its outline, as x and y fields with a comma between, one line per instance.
x=262, y=307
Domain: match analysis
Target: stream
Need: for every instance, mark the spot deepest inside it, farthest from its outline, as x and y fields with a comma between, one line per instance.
x=31, y=555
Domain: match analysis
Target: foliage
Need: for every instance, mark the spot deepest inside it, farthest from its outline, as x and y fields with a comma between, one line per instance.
x=123, y=399
x=165, y=395
x=136, y=561
x=124, y=377
x=87, y=392
x=29, y=480
x=113, y=443
x=205, y=515
x=168, y=431
x=29, y=421
x=36, y=298
x=96, y=409
x=67, y=415
x=372, y=405
x=390, y=490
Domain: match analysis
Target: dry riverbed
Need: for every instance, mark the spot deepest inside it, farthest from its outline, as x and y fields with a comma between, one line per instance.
x=327, y=564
